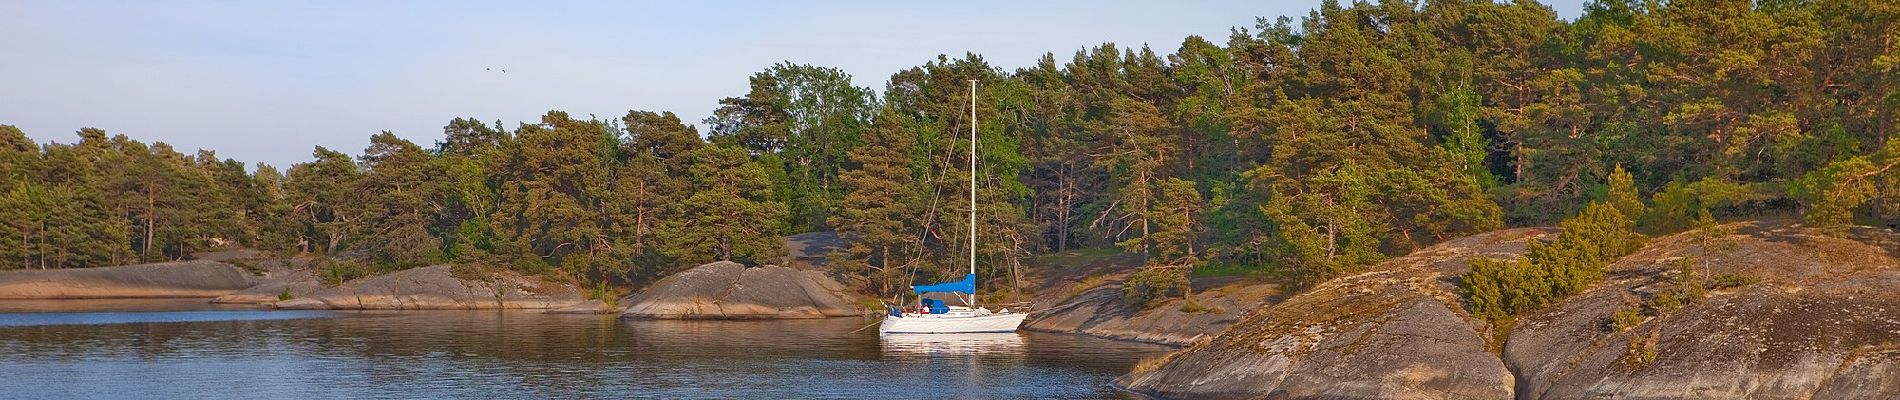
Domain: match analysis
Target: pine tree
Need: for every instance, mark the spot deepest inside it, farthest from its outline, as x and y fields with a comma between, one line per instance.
x=730, y=213
x=548, y=212
x=321, y=201
x=397, y=183
x=878, y=201
x=1136, y=153
x=650, y=184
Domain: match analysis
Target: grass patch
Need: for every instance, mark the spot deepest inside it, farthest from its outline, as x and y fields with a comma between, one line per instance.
x=1625, y=318
x=1194, y=307
x=472, y=271
x=607, y=294
x=334, y=272
x=283, y=295
x=1088, y=282
x=248, y=265
x=1220, y=270
x=1640, y=352
x=1150, y=364
x=1074, y=255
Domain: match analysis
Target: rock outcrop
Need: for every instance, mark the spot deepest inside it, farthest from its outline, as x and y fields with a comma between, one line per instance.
x=727, y=290
x=1823, y=322
x=280, y=278
x=181, y=279
x=585, y=307
x=1791, y=313
x=1101, y=311
x=1399, y=331
x=812, y=250
x=438, y=288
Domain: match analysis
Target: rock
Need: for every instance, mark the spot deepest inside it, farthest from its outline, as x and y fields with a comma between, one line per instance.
x=197, y=278
x=1080, y=293
x=1102, y=312
x=811, y=250
x=280, y=276
x=727, y=290
x=1823, y=322
x=1399, y=331
x=437, y=288
x=585, y=307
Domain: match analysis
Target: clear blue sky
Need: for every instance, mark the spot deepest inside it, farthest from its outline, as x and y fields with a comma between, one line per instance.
x=264, y=81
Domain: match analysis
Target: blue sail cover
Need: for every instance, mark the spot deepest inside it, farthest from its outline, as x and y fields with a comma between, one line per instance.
x=965, y=286
x=936, y=306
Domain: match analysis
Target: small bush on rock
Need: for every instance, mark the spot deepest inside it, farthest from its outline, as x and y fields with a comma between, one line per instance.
x=1153, y=283
x=334, y=271
x=1625, y=318
x=1500, y=289
x=1731, y=281
x=1640, y=352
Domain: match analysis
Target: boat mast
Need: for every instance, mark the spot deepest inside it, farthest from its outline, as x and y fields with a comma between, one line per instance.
x=973, y=180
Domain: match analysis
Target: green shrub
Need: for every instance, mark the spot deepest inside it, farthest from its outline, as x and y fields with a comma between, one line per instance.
x=1086, y=283
x=248, y=265
x=1194, y=307
x=1499, y=289
x=334, y=271
x=1684, y=288
x=283, y=295
x=1665, y=302
x=1152, y=283
x=604, y=292
x=1640, y=352
x=1731, y=281
x=1625, y=318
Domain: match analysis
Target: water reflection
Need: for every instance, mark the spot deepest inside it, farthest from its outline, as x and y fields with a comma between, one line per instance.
x=148, y=317
x=993, y=344
x=463, y=354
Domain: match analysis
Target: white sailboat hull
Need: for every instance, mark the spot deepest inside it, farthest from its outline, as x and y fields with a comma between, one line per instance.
x=915, y=324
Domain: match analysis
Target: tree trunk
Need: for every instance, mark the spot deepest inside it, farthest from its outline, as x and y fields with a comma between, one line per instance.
x=1145, y=210
x=42, y=247
x=151, y=219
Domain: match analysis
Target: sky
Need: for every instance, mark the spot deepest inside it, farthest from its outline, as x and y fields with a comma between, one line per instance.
x=265, y=81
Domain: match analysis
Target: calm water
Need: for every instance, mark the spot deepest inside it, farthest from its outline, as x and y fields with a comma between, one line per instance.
x=188, y=350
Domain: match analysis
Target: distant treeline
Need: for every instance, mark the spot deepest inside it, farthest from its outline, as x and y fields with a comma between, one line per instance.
x=1305, y=149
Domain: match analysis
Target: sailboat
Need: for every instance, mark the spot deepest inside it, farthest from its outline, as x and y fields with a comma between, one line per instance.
x=934, y=316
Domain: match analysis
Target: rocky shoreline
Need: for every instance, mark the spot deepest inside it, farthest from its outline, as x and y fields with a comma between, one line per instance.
x=1812, y=320
x=727, y=290
x=180, y=279
x=720, y=290
x=1811, y=314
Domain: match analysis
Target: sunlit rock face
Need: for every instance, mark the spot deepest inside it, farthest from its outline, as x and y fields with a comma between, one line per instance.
x=727, y=290
x=438, y=288
x=196, y=278
x=1817, y=318
x=1399, y=331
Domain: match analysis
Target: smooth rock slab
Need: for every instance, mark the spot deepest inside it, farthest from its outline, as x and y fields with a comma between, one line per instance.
x=1397, y=332
x=727, y=290
x=1102, y=312
x=1823, y=322
x=180, y=279
x=293, y=275
x=436, y=288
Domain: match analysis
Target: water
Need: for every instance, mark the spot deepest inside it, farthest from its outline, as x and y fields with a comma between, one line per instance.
x=88, y=350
